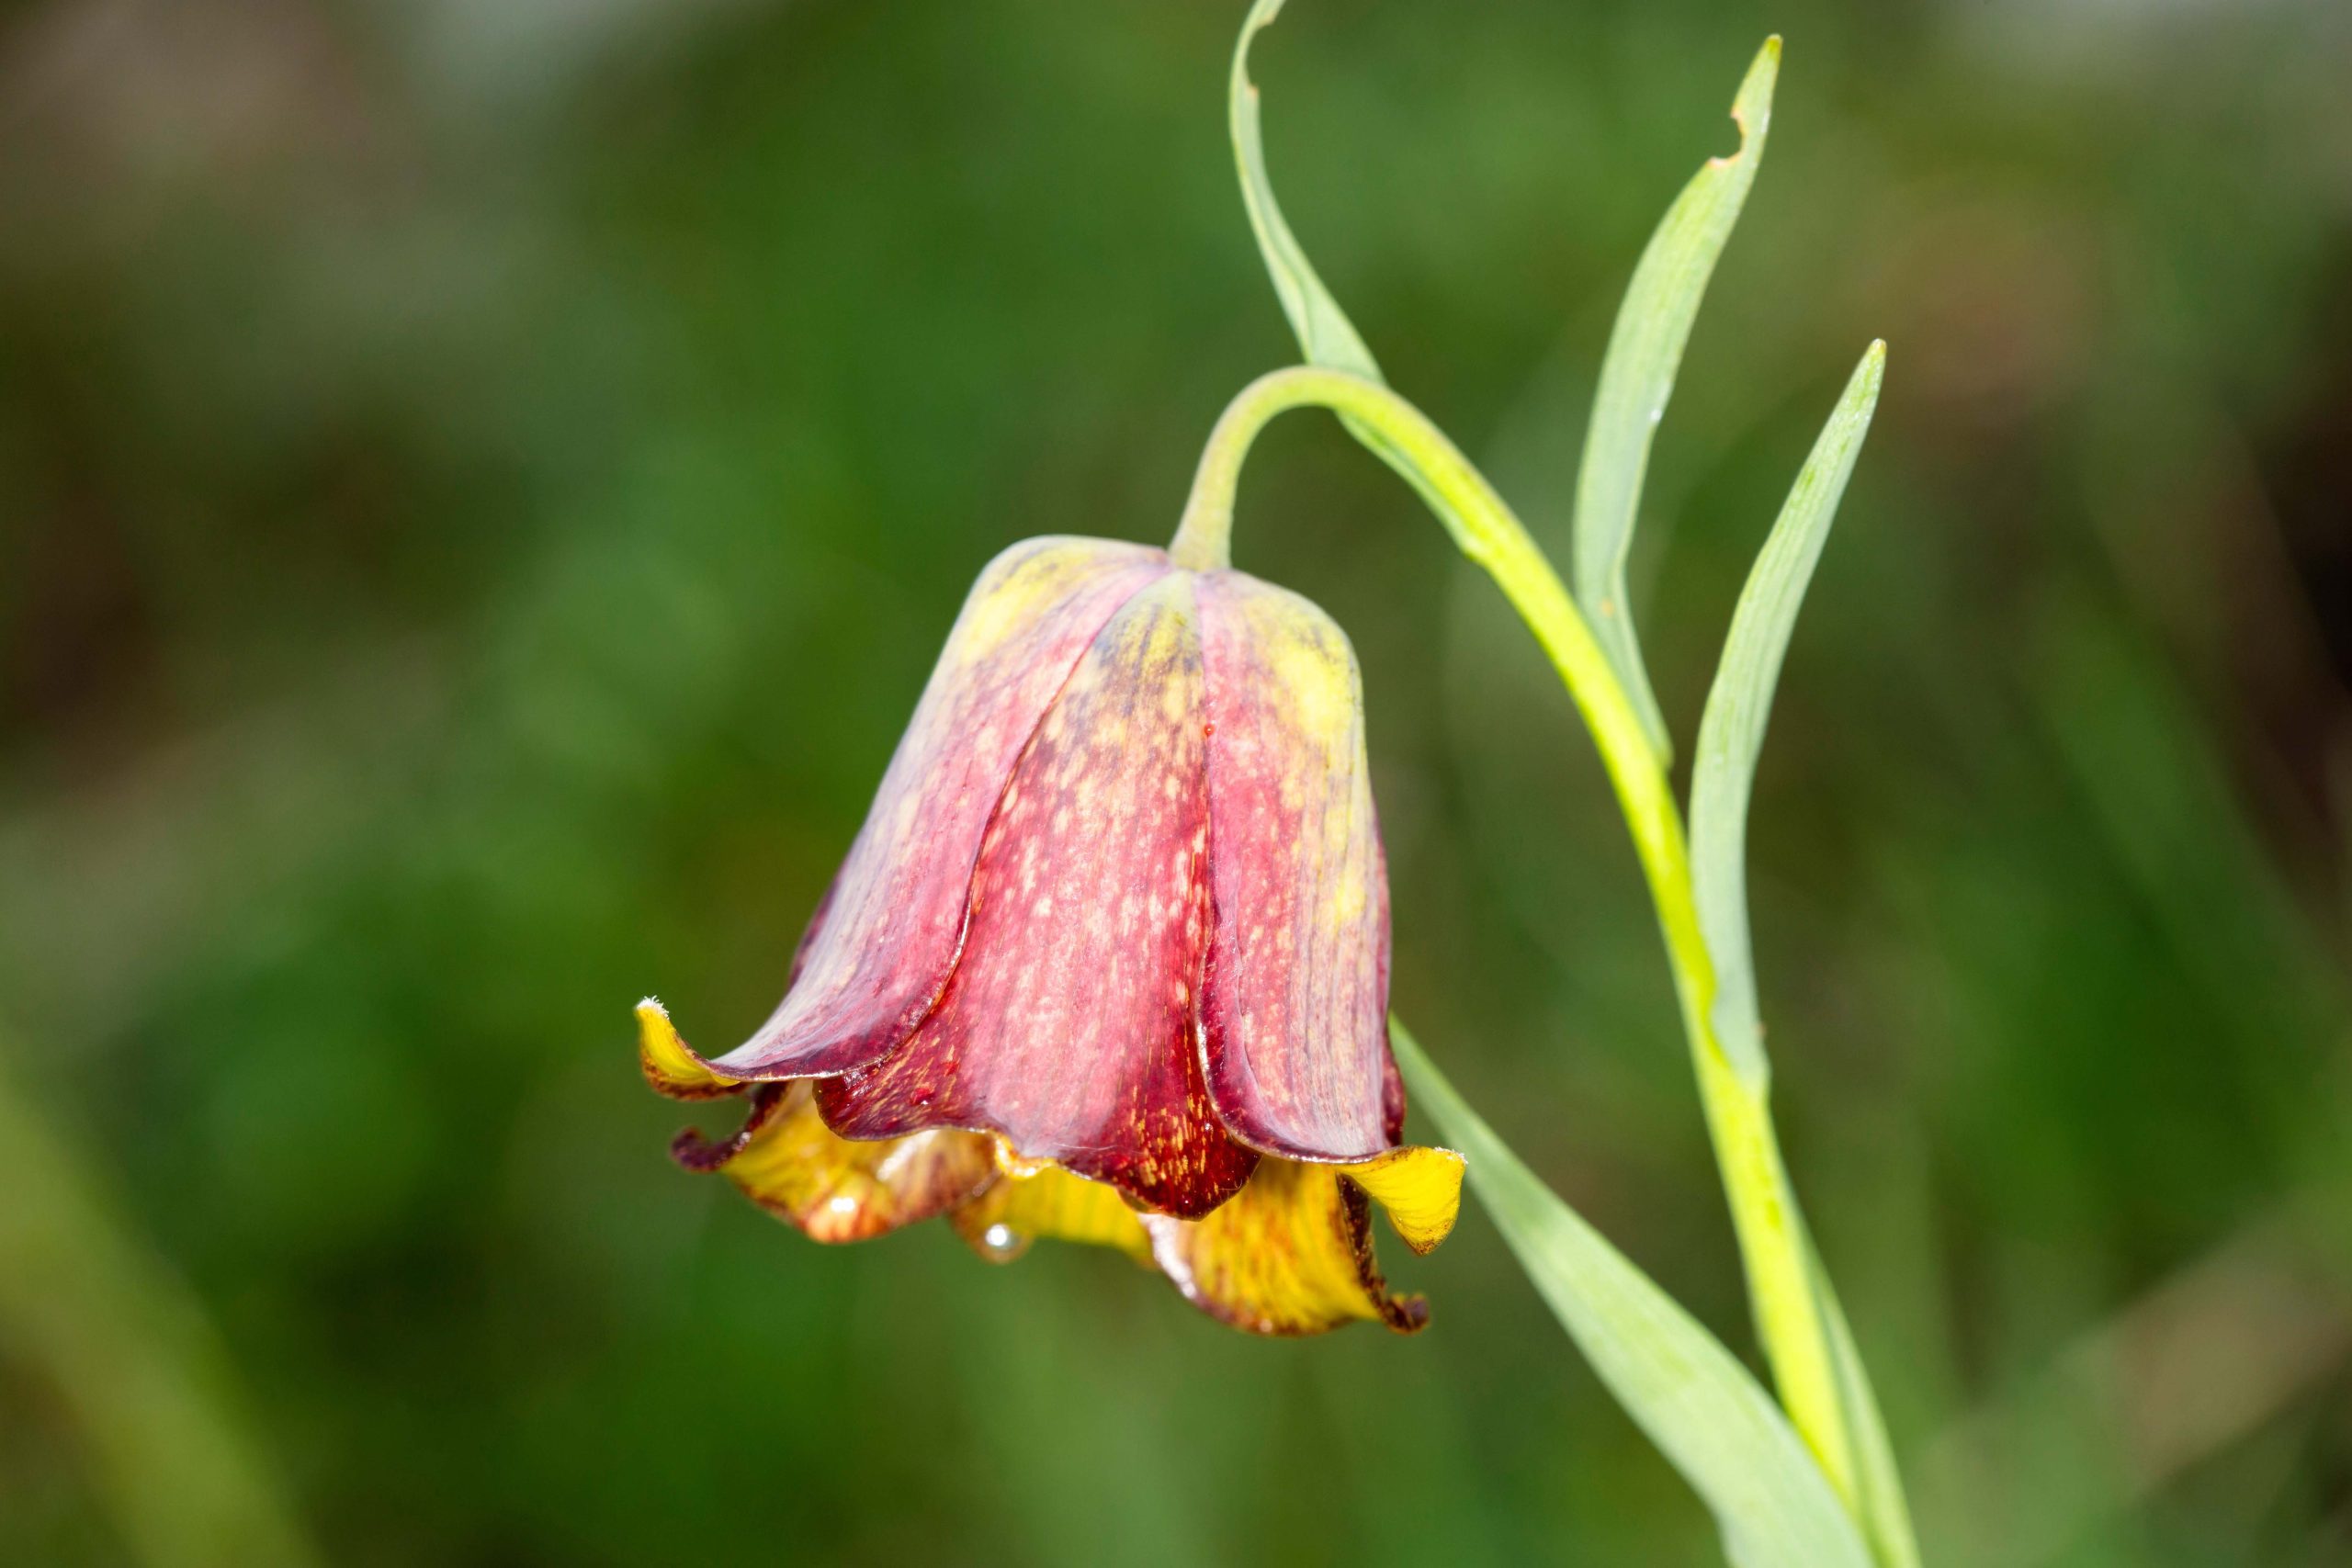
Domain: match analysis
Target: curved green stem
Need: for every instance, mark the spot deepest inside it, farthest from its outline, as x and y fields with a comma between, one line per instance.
x=1789, y=1313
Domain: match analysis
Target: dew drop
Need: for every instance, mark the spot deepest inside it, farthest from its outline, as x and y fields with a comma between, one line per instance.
x=1001, y=1244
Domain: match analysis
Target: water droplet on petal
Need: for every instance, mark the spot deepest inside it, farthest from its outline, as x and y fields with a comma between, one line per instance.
x=1001, y=1244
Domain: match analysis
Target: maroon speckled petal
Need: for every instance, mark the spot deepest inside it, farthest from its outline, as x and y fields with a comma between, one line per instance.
x=1069, y=1025
x=873, y=966
x=1297, y=1001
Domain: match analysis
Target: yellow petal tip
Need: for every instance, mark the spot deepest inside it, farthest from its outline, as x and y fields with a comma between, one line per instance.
x=670, y=1067
x=1421, y=1188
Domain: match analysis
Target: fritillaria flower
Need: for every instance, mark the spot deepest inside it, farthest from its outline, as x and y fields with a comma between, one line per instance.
x=1109, y=960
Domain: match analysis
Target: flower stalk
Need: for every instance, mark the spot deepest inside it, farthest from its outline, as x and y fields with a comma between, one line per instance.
x=1790, y=1317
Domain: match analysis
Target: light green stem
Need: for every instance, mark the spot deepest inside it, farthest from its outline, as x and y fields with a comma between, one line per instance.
x=1772, y=1243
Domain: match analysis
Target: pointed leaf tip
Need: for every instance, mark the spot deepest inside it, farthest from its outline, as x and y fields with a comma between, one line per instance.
x=1751, y=107
x=1638, y=380
x=1731, y=733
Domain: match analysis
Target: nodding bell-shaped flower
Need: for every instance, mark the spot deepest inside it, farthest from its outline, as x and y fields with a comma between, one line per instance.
x=1109, y=960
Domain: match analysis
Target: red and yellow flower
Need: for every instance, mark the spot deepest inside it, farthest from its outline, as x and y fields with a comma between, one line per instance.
x=1109, y=960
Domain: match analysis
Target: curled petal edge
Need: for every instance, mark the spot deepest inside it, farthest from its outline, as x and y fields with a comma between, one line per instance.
x=670, y=1065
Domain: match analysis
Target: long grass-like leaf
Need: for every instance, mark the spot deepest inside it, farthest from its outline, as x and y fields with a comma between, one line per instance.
x=1704, y=1410
x=1325, y=334
x=1886, y=1515
x=1775, y=1506
x=1732, y=731
x=1731, y=736
x=1637, y=378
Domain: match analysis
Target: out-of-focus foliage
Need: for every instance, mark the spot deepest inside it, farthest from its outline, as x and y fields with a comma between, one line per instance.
x=484, y=484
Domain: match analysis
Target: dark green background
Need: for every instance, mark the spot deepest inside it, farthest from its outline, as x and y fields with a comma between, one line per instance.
x=481, y=483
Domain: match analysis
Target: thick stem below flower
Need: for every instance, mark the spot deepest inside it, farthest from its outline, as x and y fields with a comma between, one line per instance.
x=1790, y=1317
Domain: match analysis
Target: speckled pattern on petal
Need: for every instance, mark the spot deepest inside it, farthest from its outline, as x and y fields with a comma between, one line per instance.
x=875, y=965
x=1069, y=1025
x=1297, y=1002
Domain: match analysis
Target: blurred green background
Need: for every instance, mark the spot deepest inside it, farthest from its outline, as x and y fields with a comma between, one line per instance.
x=485, y=479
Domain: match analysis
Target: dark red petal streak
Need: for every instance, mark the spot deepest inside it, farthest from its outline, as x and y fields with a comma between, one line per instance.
x=1392, y=1082
x=874, y=964
x=1069, y=1024
x=1297, y=999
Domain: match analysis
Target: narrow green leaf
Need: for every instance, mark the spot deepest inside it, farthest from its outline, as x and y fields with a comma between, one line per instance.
x=1731, y=733
x=1701, y=1407
x=1886, y=1515
x=1325, y=334
x=1731, y=736
x=1637, y=378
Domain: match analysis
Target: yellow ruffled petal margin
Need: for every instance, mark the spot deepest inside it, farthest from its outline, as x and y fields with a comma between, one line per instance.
x=1030, y=1200
x=1289, y=1254
x=837, y=1189
x=1292, y=1252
